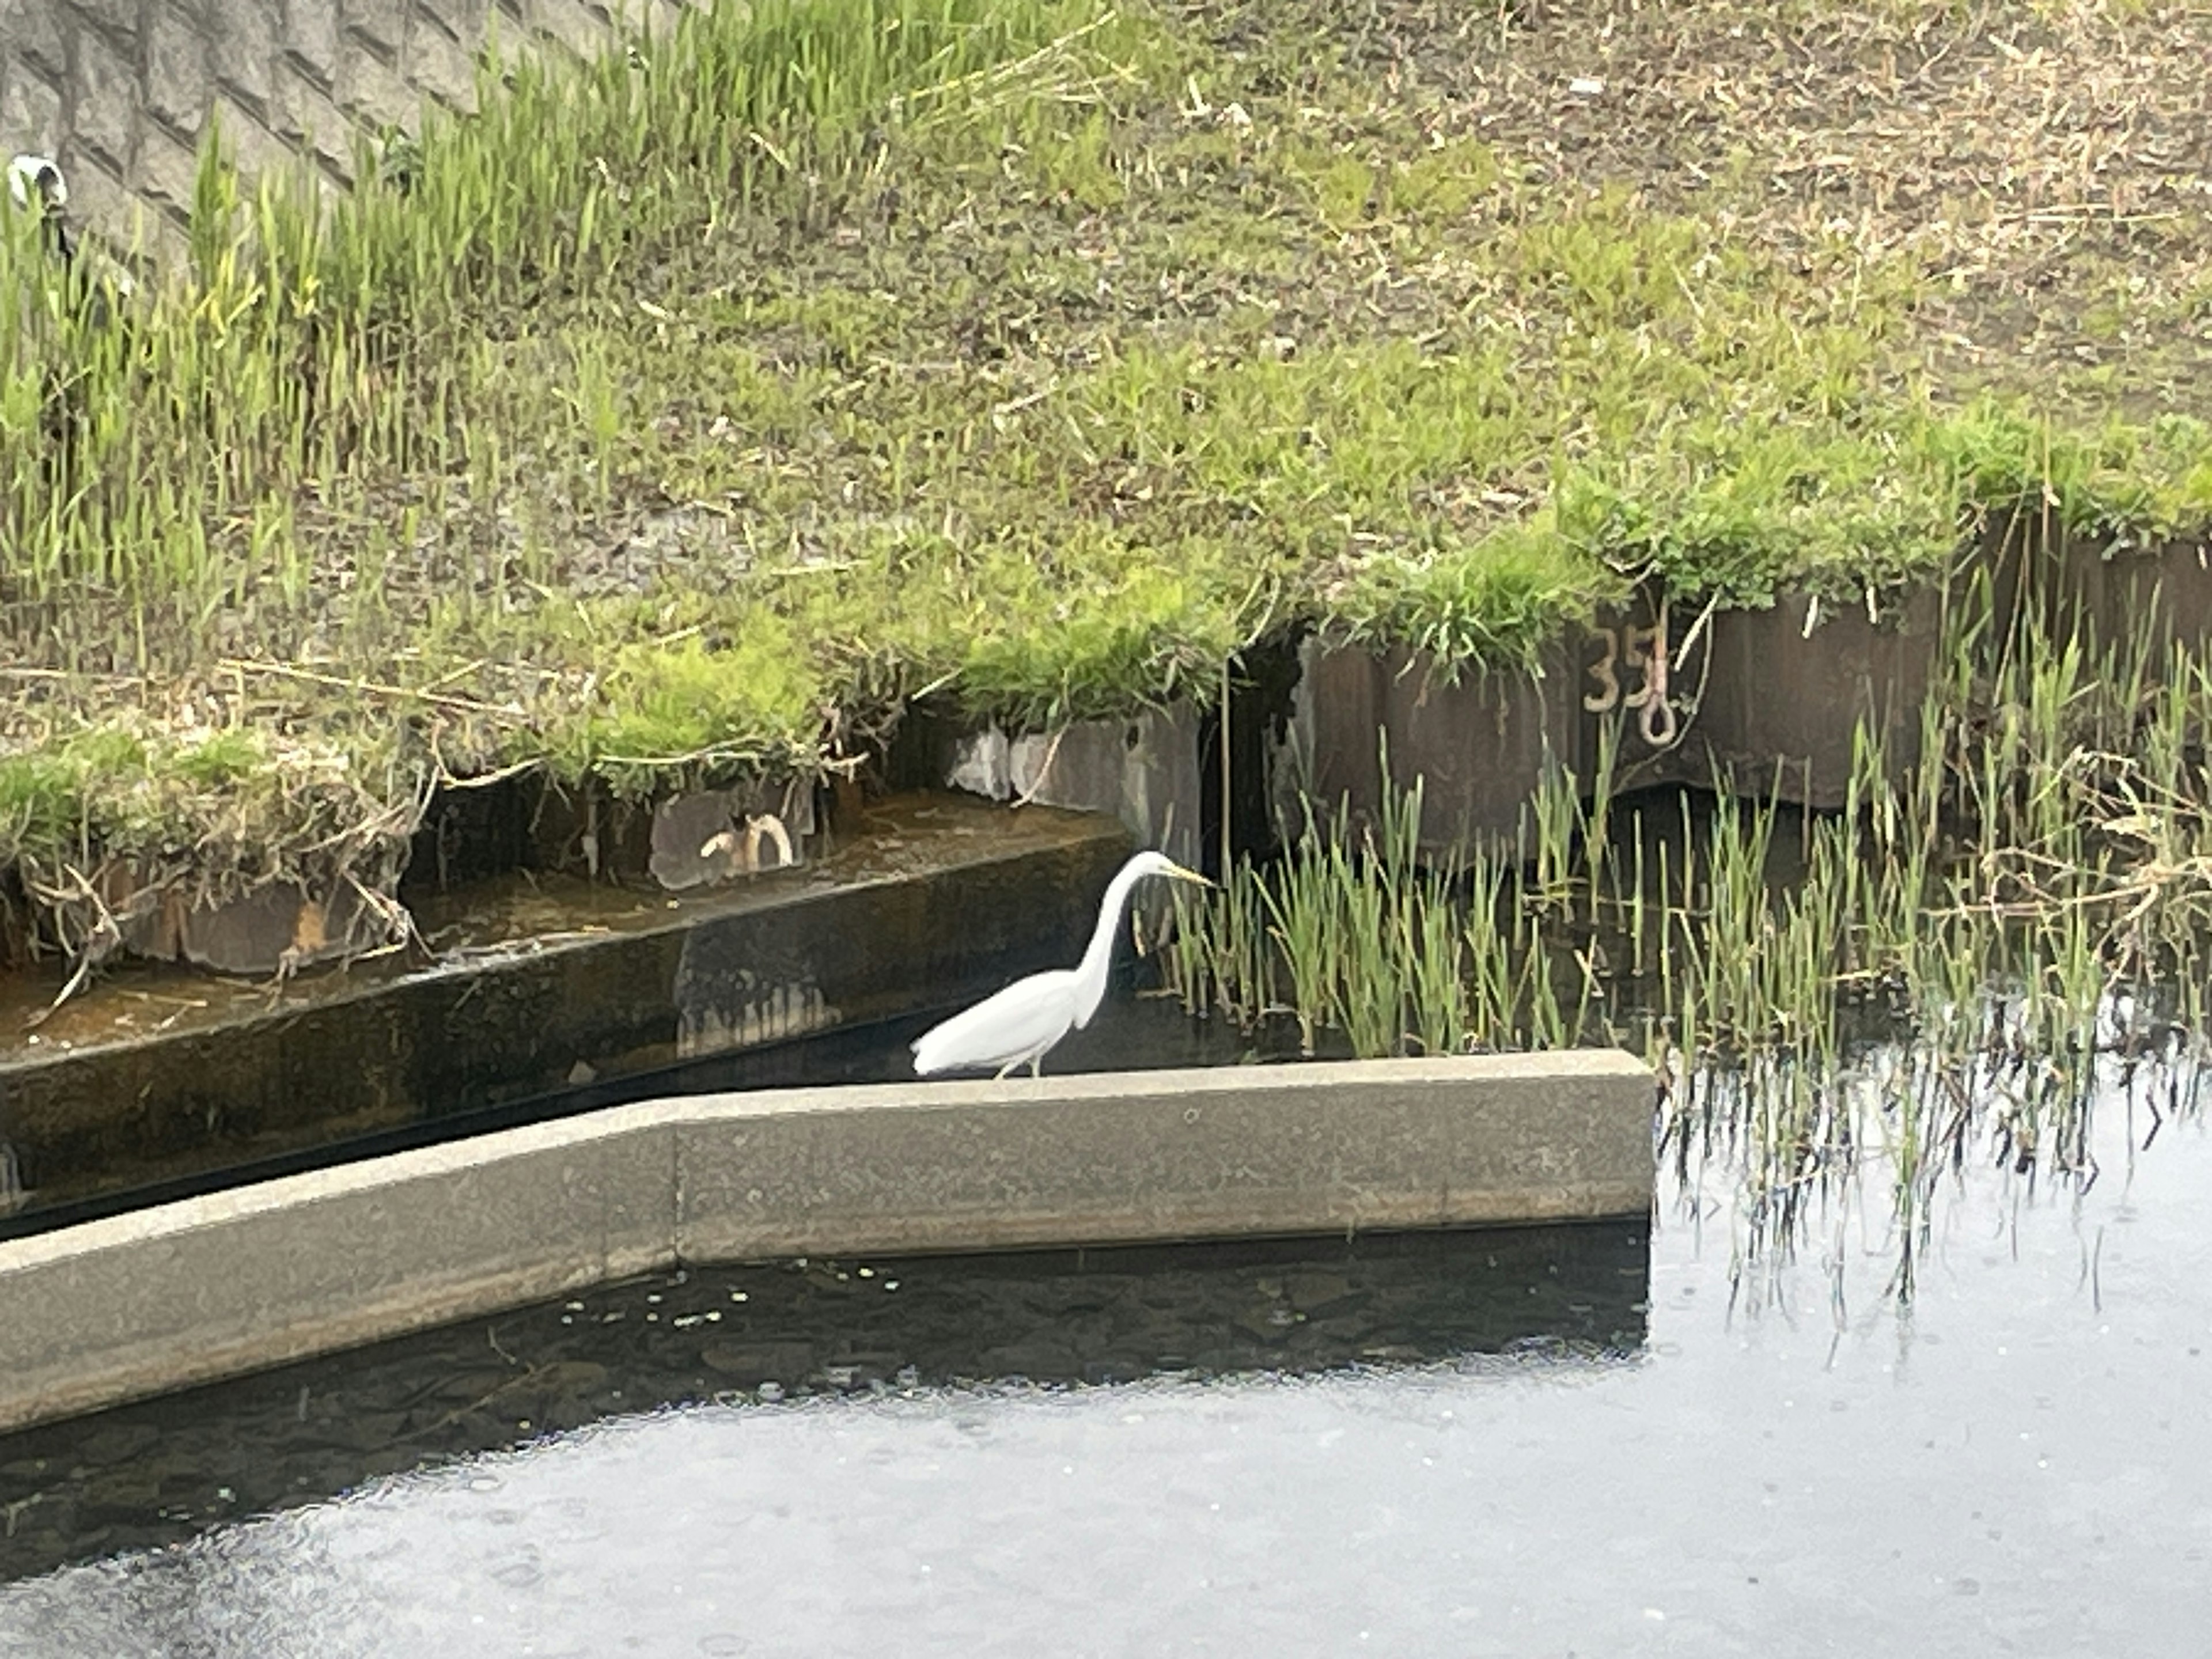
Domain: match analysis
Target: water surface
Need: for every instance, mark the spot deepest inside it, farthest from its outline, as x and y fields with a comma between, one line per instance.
x=1598, y=1441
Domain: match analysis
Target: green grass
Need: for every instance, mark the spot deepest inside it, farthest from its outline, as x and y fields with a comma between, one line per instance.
x=685, y=413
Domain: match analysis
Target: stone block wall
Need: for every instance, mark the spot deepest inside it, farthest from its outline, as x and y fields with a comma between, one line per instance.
x=121, y=91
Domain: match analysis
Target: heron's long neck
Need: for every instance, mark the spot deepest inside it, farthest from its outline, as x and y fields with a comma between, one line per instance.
x=1090, y=975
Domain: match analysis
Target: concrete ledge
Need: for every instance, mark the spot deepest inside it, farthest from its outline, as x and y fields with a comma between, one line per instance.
x=929, y=900
x=92, y=1315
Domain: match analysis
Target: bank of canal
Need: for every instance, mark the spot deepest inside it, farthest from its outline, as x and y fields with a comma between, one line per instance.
x=1581, y=1440
x=920, y=381
x=545, y=994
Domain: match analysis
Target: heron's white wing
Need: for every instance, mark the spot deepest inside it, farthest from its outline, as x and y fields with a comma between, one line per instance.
x=1025, y=1018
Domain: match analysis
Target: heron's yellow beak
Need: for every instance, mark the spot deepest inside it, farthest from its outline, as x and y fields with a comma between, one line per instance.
x=1182, y=874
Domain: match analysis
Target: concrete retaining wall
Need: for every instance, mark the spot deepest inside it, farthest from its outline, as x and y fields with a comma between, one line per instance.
x=1143, y=770
x=1769, y=699
x=930, y=902
x=121, y=91
x=94, y=1315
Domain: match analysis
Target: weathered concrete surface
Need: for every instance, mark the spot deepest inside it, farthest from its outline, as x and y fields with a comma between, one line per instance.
x=1769, y=700
x=1311, y=1148
x=260, y=1275
x=1144, y=770
x=543, y=987
x=121, y=91
x=2163, y=595
x=94, y=1315
x=1479, y=743
x=1787, y=689
x=717, y=836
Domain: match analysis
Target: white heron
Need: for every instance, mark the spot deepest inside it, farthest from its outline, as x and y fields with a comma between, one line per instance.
x=1017, y=1025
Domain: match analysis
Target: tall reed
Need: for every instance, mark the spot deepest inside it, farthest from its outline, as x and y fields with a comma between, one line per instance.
x=2011, y=906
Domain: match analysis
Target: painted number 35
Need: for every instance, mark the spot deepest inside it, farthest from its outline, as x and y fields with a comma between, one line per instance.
x=1640, y=653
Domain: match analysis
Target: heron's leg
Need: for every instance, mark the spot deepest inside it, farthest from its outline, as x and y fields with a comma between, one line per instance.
x=1037, y=1063
x=1000, y=1076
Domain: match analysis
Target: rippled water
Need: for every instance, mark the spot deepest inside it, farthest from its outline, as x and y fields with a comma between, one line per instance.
x=1598, y=1440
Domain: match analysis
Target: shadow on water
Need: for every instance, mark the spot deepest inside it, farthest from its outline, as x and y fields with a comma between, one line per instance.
x=157, y=1474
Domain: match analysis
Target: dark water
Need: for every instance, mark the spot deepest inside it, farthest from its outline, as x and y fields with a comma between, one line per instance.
x=1595, y=1441
x=1137, y=1030
x=878, y=1330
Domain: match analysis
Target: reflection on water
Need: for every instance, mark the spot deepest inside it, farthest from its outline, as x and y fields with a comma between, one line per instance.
x=152, y=1474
